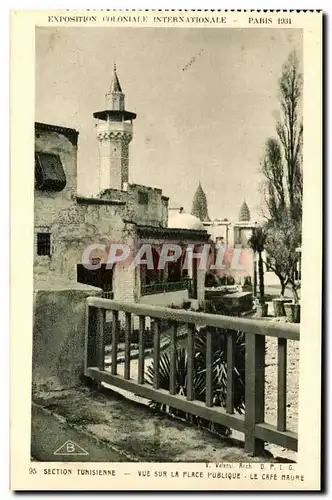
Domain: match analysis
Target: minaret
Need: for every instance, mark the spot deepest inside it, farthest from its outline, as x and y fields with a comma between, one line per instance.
x=244, y=213
x=114, y=133
x=199, y=206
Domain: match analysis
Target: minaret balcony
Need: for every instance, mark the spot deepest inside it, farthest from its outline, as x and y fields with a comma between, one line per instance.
x=110, y=126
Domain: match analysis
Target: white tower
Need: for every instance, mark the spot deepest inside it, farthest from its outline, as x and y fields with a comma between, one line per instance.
x=114, y=133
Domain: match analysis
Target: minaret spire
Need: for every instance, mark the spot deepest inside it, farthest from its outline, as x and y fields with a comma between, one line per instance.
x=244, y=214
x=115, y=85
x=199, y=206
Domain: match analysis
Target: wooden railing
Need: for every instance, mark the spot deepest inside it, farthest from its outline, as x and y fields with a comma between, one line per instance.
x=252, y=422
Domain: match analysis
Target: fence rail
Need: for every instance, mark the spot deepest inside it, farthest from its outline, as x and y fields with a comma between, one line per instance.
x=252, y=422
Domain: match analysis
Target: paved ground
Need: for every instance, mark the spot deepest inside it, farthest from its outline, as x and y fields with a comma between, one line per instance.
x=271, y=359
x=274, y=291
x=293, y=360
x=132, y=431
x=292, y=383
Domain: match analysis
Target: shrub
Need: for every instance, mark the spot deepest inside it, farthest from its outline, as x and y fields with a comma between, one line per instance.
x=199, y=376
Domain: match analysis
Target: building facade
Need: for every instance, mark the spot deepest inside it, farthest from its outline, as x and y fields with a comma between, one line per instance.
x=72, y=231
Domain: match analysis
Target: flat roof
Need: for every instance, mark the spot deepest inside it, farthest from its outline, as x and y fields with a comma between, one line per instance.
x=70, y=133
x=98, y=201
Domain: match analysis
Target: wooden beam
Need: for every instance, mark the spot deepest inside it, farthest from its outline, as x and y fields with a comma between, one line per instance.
x=91, y=335
x=290, y=331
x=209, y=366
x=141, y=349
x=173, y=348
x=282, y=384
x=254, y=391
x=127, y=345
x=86, y=337
x=190, y=362
x=156, y=355
x=231, y=343
x=100, y=341
x=115, y=337
x=270, y=434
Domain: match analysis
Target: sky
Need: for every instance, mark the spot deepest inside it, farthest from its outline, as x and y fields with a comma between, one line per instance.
x=206, y=101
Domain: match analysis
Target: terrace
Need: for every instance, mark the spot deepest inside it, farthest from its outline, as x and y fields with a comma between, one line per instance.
x=123, y=369
x=252, y=423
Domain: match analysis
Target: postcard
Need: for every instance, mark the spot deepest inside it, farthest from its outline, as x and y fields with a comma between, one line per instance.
x=166, y=250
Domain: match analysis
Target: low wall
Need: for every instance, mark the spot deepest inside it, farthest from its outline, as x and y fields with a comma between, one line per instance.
x=58, y=334
x=230, y=303
x=165, y=299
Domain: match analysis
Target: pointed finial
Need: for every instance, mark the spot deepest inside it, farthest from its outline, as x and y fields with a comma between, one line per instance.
x=115, y=85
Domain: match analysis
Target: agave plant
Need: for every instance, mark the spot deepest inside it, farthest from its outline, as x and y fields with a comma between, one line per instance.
x=219, y=376
x=219, y=365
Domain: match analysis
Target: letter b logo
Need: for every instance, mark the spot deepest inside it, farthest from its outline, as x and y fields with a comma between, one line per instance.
x=70, y=447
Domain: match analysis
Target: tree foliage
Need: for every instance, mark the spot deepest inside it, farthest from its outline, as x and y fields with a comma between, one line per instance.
x=282, y=239
x=282, y=169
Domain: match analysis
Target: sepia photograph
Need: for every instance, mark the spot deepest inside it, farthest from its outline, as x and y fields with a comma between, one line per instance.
x=168, y=201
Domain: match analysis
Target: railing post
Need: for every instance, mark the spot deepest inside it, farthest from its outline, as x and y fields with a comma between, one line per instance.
x=209, y=369
x=254, y=391
x=156, y=355
x=127, y=350
x=86, y=338
x=191, y=362
x=115, y=338
x=231, y=346
x=93, y=337
x=141, y=349
x=282, y=384
x=173, y=347
x=100, y=341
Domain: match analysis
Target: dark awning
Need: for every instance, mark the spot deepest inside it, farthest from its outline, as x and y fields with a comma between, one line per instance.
x=173, y=234
x=49, y=173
